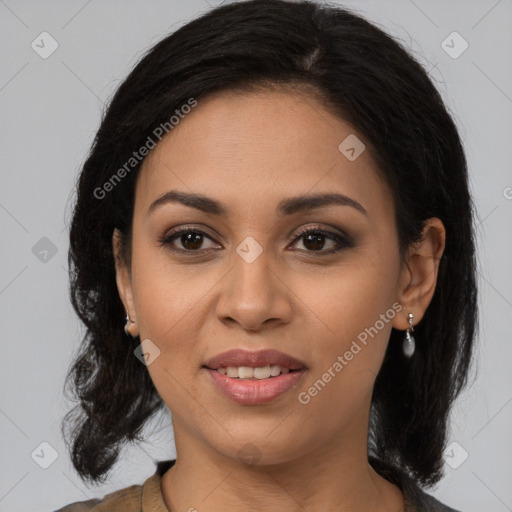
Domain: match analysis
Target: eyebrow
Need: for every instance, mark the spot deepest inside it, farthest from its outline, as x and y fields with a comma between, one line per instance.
x=285, y=207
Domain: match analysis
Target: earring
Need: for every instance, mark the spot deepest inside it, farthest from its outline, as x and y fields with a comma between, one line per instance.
x=409, y=345
x=127, y=325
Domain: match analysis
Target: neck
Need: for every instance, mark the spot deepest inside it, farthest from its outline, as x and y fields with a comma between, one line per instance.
x=336, y=477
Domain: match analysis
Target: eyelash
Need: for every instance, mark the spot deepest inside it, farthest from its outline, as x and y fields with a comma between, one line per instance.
x=341, y=240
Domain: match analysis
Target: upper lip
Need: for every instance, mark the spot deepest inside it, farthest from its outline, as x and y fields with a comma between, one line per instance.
x=238, y=357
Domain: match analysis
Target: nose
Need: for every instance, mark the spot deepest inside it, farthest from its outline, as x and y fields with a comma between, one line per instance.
x=254, y=296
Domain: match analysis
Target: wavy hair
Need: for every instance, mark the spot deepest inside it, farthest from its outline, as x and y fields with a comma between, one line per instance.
x=369, y=79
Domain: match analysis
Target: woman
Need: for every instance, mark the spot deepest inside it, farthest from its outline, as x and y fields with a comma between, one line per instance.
x=273, y=238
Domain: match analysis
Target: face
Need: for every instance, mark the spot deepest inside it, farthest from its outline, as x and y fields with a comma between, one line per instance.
x=251, y=279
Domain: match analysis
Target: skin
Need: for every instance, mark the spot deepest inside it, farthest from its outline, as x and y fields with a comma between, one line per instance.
x=249, y=151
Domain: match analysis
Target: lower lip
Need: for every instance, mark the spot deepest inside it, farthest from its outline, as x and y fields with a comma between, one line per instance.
x=255, y=392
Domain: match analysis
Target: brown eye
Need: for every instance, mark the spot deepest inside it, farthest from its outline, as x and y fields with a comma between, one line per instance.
x=190, y=240
x=314, y=240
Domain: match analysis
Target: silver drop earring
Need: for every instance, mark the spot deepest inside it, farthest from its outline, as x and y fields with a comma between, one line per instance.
x=409, y=345
x=128, y=322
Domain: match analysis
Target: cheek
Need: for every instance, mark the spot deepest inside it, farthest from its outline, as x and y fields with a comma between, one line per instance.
x=352, y=309
x=350, y=297
x=168, y=304
x=165, y=294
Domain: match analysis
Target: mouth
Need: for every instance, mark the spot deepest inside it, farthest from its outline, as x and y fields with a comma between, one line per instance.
x=243, y=364
x=254, y=378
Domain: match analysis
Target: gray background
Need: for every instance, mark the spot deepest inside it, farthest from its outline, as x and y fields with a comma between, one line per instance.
x=50, y=111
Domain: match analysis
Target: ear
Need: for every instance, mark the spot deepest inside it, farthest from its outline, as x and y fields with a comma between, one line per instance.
x=124, y=281
x=418, y=277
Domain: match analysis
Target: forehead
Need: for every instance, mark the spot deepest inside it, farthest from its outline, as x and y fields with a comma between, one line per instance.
x=247, y=147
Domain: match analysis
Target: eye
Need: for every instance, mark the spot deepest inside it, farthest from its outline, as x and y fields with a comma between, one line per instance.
x=190, y=239
x=314, y=239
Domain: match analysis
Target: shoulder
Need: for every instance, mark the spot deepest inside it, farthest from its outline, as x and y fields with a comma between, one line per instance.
x=134, y=498
x=128, y=499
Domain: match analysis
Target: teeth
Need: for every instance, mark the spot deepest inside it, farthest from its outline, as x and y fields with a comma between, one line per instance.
x=246, y=372
x=232, y=372
x=260, y=373
x=275, y=370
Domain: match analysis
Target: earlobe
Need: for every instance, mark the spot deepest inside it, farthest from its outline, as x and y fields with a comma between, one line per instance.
x=419, y=275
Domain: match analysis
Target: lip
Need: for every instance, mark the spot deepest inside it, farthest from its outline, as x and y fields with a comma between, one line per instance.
x=255, y=392
x=238, y=357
